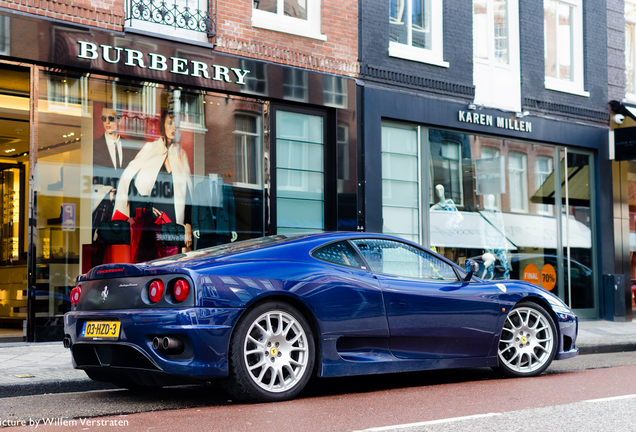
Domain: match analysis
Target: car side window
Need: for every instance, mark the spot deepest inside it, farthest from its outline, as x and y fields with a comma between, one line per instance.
x=400, y=259
x=338, y=253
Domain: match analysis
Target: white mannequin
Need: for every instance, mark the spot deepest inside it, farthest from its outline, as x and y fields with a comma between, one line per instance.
x=489, y=259
x=489, y=202
x=197, y=234
x=441, y=194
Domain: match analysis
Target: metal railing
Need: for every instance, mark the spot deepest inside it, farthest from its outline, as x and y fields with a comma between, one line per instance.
x=195, y=15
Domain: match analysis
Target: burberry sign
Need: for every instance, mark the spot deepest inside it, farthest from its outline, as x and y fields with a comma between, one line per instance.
x=158, y=62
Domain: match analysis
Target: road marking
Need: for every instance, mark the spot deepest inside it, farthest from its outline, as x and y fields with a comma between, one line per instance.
x=612, y=398
x=472, y=417
x=432, y=422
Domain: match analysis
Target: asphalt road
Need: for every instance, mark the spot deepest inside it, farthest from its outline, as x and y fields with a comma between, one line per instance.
x=554, y=401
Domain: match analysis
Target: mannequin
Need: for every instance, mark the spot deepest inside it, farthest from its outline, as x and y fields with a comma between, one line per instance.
x=213, y=213
x=496, y=247
x=489, y=268
x=443, y=203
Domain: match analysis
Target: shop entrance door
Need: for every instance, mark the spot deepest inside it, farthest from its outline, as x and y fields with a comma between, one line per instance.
x=14, y=156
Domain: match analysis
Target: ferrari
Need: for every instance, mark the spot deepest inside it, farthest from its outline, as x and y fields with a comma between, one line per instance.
x=265, y=315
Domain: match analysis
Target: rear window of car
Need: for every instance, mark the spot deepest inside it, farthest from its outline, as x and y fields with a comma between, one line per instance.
x=340, y=253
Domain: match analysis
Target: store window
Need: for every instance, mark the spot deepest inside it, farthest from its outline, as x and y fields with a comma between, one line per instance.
x=300, y=173
x=631, y=190
x=563, y=39
x=512, y=209
x=129, y=172
x=400, y=181
x=298, y=17
x=415, y=31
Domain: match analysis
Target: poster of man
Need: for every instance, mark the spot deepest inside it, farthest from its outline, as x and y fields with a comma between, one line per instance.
x=111, y=154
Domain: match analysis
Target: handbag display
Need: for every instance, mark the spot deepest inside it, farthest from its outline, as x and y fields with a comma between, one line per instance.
x=172, y=234
x=114, y=232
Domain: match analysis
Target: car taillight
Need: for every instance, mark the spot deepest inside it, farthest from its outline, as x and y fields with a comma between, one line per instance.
x=181, y=290
x=75, y=295
x=155, y=291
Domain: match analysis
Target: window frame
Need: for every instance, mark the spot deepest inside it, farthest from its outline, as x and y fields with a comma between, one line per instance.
x=434, y=56
x=278, y=22
x=575, y=86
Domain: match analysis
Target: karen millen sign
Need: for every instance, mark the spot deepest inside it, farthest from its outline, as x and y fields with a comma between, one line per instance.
x=158, y=62
x=499, y=122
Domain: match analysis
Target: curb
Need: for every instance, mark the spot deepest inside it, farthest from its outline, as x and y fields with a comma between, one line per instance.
x=606, y=349
x=46, y=387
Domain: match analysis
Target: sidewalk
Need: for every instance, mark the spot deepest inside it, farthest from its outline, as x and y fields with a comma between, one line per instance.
x=45, y=367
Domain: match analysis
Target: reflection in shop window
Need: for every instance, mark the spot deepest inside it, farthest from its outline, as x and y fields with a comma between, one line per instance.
x=137, y=105
x=446, y=166
x=64, y=94
x=5, y=36
x=192, y=110
x=490, y=153
x=248, y=155
x=335, y=91
x=518, y=180
x=295, y=85
x=256, y=80
x=343, y=151
x=543, y=169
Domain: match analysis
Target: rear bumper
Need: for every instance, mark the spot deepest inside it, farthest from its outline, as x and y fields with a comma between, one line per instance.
x=205, y=333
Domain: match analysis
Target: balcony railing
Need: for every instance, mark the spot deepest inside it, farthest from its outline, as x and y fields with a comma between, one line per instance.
x=193, y=15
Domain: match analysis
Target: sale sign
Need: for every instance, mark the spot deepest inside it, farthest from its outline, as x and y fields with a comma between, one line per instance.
x=548, y=277
x=531, y=274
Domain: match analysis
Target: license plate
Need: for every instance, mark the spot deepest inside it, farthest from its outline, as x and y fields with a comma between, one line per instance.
x=101, y=329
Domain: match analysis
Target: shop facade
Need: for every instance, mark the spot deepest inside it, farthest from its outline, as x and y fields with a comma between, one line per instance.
x=125, y=149
x=518, y=194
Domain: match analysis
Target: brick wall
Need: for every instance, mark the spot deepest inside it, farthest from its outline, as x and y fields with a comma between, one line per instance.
x=616, y=49
x=338, y=54
x=106, y=14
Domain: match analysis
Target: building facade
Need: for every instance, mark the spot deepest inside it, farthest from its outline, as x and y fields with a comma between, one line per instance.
x=488, y=122
x=139, y=129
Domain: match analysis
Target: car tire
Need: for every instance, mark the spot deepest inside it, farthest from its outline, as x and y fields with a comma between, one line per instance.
x=528, y=342
x=272, y=354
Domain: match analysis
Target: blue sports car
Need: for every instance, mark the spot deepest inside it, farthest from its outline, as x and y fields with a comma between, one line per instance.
x=265, y=315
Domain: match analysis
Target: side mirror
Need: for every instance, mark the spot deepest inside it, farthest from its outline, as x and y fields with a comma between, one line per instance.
x=471, y=268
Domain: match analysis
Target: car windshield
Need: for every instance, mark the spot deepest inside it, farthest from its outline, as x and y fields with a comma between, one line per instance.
x=226, y=249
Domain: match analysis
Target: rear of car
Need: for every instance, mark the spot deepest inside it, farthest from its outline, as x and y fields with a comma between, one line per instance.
x=132, y=325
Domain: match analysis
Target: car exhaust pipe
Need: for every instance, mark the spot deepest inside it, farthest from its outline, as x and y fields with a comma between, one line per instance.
x=156, y=343
x=67, y=342
x=171, y=343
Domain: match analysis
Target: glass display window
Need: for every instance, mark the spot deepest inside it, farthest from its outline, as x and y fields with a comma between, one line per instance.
x=503, y=203
x=132, y=171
